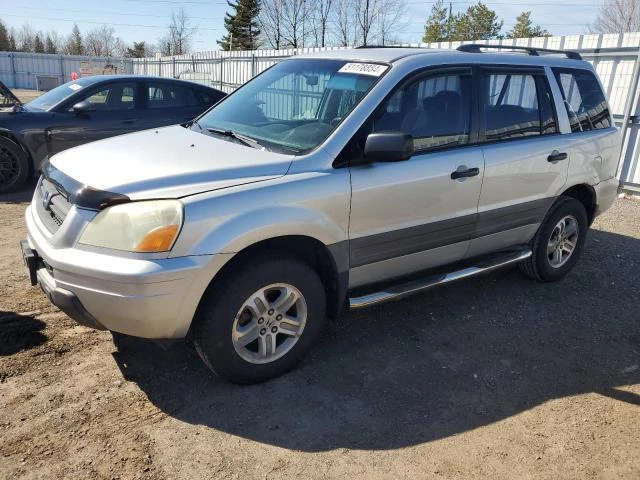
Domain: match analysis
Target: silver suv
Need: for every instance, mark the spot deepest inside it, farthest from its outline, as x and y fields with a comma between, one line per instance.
x=343, y=178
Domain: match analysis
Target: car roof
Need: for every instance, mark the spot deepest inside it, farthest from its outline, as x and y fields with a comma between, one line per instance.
x=95, y=79
x=438, y=56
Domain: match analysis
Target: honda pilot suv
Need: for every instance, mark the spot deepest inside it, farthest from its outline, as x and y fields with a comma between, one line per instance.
x=334, y=180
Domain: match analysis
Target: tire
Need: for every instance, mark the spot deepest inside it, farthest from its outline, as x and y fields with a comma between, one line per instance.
x=227, y=312
x=545, y=264
x=14, y=166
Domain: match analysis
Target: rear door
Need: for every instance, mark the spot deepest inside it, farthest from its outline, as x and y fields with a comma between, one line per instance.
x=526, y=159
x=420, y=213
x=115, y=111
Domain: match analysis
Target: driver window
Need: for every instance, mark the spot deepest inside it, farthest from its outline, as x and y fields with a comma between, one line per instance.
x=435, y=111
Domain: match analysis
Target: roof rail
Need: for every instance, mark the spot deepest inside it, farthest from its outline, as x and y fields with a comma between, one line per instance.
x=477, y=48
x=384, y=46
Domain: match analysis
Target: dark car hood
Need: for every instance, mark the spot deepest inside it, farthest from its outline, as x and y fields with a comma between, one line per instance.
x=7, y=99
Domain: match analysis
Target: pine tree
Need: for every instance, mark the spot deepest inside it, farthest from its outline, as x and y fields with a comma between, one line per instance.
x=139, y=50
x=13, y=47
x=49, y=46
x=75, y=42
x=479, y=22
x=524, y=28
x=242, y=26
x=437, y=27
x=38, y=46
x=5, y=44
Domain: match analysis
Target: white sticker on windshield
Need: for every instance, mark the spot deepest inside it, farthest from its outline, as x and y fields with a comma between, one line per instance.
x=75, y=86
x=373, y=69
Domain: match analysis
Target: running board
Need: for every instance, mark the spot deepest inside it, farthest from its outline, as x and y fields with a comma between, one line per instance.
x=401, y=290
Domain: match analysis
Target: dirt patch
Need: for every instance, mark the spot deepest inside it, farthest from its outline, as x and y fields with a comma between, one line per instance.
x=496, y=377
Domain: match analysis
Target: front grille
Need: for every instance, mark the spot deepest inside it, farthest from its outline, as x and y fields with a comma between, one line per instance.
x=55, y=210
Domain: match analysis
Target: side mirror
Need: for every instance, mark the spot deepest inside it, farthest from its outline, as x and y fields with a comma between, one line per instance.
x=388, y=147
x=83, y=107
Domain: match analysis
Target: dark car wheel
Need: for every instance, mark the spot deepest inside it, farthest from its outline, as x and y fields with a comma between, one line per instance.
x=558, y=242
x=261, y=320
x=14, y=166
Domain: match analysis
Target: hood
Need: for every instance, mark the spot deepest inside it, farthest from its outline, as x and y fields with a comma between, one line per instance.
x=7, y=99
x=168, y=162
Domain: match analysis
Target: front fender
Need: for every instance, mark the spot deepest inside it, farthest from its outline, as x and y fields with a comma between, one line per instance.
x=235, y=234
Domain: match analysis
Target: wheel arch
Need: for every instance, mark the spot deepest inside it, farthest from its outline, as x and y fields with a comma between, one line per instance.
x=586, y=195
x=12, y=137
x=329, y=261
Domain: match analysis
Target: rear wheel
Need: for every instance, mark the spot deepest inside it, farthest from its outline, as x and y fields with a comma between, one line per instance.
x=261, y=321
x=558, y=242
x=14, y=166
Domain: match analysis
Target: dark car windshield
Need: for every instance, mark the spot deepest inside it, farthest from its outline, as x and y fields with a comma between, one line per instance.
x=55, y=96
x=296, y=104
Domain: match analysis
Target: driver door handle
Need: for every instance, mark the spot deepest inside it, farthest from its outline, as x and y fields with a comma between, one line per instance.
x=469, y=172
x=556, y=156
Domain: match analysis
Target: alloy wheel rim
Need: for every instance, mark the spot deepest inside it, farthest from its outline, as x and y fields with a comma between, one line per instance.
x=563, y=241
x=269, y=323
x=8, y=166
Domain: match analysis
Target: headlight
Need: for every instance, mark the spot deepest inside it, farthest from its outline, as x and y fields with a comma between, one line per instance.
x=151, y=226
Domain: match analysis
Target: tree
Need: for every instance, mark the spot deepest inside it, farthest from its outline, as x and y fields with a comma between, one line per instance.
x=479, y=22
x=437, y=28
x=138, y=50
x=26, y=39
x=294, y=22
x=101, y=41
x=271, y=22
x=74, y=42
x=618, y=16
x=5, y=44
x=320, y=11
x=177, y=41
x=38, y=45
x=49, y=45
x=344, y=23
x=366, y=13
x=242, y=26
x=524, y=28
x=13, y=45
x=390, y=20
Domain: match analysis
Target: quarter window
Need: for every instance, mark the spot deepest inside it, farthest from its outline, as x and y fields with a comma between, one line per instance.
x=583, y=99
x=435, y=111
x=515, y=106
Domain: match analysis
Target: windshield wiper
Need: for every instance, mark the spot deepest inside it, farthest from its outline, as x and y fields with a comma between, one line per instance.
x=250, y=142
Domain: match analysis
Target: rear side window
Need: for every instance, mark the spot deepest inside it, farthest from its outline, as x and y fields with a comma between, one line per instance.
x=584, y=100
x=435, y=111
x=516, y=105
x=165, y=95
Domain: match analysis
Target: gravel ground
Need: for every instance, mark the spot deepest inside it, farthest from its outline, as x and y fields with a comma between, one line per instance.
x=494, y=377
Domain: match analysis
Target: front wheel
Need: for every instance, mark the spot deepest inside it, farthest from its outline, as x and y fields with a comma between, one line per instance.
x=261, y=321
x=558, y=242
x=14, y=166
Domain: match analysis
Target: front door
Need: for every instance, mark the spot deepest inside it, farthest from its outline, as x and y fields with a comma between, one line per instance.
x=420, y=213
x=114, y=111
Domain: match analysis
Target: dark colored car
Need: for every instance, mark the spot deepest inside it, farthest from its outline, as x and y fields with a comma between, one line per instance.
x=89, y=109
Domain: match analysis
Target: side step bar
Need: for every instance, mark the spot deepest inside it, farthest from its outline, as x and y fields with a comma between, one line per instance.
x=401, y=290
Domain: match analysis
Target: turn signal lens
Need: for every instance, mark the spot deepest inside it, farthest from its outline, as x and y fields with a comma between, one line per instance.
x=159, y=239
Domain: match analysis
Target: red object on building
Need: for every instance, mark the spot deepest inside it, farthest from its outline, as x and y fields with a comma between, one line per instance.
x=74, y=76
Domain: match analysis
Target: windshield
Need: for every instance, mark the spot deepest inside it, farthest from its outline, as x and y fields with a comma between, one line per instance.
x=53, y=97
x=296, y=104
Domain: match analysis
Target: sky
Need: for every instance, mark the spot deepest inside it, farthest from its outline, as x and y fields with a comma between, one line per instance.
x=137, y=20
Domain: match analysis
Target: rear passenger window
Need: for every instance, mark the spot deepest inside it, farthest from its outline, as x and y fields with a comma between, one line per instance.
x=515, y=106
x=434, y=110
x=584, y=100
x=164, y=95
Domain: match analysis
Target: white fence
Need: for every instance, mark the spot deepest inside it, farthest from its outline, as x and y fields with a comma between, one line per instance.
x=21, y=70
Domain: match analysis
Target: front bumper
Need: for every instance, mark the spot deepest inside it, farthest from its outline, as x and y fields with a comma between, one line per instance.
x=150, y=298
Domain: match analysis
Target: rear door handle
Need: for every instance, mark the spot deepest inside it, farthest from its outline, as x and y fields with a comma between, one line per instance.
x=556, y=156
x=463, y=172
x=129, y=121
